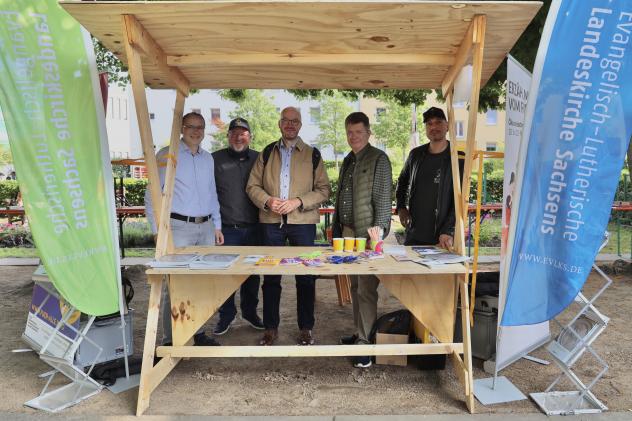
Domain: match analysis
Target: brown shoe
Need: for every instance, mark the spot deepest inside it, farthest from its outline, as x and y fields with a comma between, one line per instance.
x=269, y=337
x=305, y=337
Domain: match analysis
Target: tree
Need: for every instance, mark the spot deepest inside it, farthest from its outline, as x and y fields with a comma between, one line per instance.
x=262, y=117
x=394, y=126
x=333, y=110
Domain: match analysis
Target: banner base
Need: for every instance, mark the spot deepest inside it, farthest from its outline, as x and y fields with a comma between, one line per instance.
x=504, y=391
x=568, y=403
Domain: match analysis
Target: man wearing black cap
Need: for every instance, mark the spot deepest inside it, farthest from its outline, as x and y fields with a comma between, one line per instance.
x=240, y=217
x=425, y=197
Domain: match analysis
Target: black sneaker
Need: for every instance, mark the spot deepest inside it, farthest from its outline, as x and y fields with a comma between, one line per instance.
x=348, y=339
x=362, y=362
x=222, y=327
x=255, y=322
x=202, y=340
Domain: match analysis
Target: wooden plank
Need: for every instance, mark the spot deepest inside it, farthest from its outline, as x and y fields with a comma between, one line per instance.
x=300, y=27
x=430, y=299
x=195, y=298
x=477, y=233
x=459, y=369
x=153, y=312
x=307, y=351
x=459, y=201
x=140, y=39
x=467, y=346
x=460, y=58
x=163, y=245
x=477, y=65
x=144, y=127
x=214, y=59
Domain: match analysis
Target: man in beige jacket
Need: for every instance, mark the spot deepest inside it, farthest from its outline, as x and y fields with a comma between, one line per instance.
x=288, y=183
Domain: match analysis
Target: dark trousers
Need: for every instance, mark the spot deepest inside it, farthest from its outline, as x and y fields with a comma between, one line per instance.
x=295, y=235
x=247, y=236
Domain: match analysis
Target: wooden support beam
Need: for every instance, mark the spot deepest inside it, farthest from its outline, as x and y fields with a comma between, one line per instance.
x=135, y=68
x=163, y=245
x=138, y=37
x=461, y=57
x=477, y=68
x=215, y=59
x=148, y=380
x=459, y=225
x=307, y=351
x=467, y=346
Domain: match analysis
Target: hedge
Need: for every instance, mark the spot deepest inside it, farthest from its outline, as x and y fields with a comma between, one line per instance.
x=135, y=190
x=8, y=192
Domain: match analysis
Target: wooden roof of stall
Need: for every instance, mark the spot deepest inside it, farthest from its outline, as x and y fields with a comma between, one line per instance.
x=305, y=44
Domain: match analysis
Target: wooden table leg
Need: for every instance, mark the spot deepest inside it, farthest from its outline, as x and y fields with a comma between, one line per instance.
x=153, y=313
x=467, y=345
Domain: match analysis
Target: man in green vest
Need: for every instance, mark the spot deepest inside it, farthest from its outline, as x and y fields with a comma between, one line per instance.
x=363, y=201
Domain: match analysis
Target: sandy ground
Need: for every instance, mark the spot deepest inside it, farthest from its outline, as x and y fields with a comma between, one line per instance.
x=314, y=386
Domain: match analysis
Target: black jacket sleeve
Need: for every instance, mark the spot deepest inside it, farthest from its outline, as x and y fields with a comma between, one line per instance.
x=403, y=182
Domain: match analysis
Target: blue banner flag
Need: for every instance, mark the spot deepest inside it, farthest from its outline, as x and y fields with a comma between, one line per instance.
x=578, y=123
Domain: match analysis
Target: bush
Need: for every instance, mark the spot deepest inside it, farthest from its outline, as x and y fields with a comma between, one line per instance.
x=15, y=236
x=135, y=191
x=490, y=232
x=137, y=234
x=8, y=192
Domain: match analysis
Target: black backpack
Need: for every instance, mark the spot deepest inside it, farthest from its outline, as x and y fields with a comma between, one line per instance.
x=107, y=372
x=267, y=151
x=397, y=322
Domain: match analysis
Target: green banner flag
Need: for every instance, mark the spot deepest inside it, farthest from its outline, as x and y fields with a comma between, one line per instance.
x=50, y=100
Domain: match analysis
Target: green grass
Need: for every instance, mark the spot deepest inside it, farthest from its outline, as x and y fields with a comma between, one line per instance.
x=140, y=252
x=18, y=252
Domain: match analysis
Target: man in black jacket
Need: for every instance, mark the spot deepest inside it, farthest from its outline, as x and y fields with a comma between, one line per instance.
x=425, y=197
x=240, y=218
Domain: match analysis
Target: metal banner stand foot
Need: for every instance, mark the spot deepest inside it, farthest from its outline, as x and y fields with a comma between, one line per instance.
x=573, y=342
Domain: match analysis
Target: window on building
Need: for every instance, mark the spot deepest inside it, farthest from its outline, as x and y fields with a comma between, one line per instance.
x=490, y=146
x=196, y=110
x=380, y=111
x=491, y=117
x=314, y=115
x=460, y=129
x=152, y=116
x=216, y=114
x=124, y=109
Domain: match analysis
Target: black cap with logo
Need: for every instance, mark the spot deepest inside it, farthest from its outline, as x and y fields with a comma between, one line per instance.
x=239, y=122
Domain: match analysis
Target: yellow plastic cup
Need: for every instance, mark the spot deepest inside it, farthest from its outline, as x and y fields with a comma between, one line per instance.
x=338, y=243
x=349, y=243
x=360, y=244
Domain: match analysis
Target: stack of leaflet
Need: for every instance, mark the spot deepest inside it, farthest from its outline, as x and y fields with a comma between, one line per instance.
x=173, y=261
x=214, y=261
x=195, y=261
x=434, y=256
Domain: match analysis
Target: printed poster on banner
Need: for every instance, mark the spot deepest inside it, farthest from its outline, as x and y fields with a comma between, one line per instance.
x=53, y=112
x=578, y=126
x=513, y=342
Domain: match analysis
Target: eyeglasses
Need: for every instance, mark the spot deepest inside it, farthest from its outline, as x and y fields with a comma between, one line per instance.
x=294, y=122
x=188, y=126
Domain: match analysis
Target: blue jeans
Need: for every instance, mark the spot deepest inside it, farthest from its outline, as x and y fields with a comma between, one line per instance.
x=295, y=235
x=249, y=235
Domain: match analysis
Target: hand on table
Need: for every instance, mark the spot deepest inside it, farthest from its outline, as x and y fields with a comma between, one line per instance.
x=404, y=217
x=445, y=241
x=219, y=237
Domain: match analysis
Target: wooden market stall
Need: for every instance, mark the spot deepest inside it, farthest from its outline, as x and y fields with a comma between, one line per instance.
x=300, y=44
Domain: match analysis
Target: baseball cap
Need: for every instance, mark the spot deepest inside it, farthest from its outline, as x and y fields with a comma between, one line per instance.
x=239, y=122
x=434, y=112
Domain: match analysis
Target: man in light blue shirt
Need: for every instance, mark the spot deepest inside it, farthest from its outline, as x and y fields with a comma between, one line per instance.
x=195, y=217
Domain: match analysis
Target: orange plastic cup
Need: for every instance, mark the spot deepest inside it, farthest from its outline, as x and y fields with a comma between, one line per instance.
x=338, y=244
x=349, y=243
